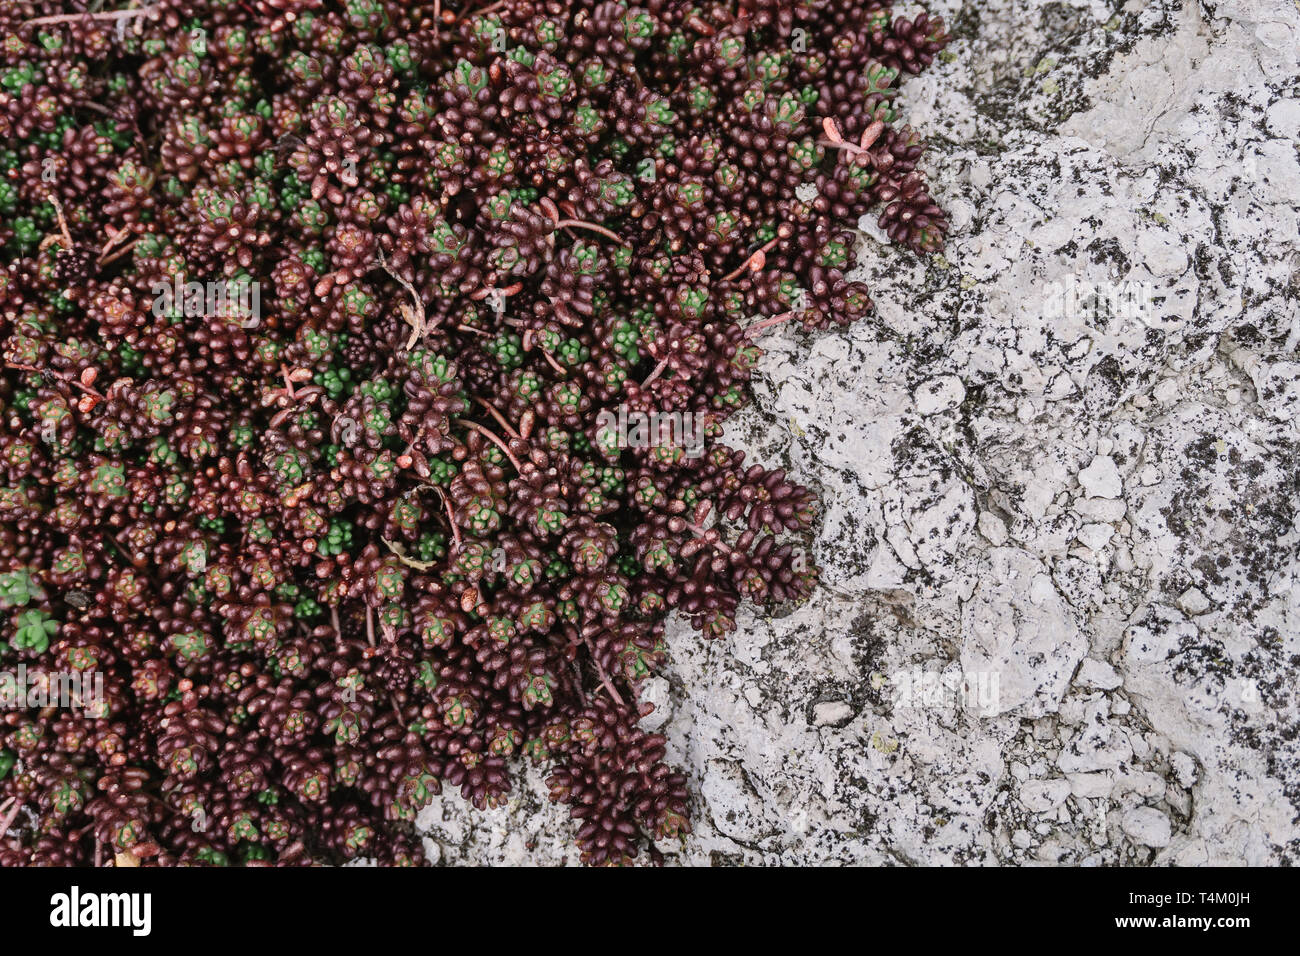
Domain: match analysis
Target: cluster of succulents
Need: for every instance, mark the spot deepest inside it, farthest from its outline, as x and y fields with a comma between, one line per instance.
x=371, y=541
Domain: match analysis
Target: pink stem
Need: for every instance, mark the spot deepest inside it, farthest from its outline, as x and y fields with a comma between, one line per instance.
x=495, y=413
x=105, y=15
x=600, y=672
x=492, y=436
x=67, y=381
x=703, y=536
x=9, y=817
x=851, y=148
x=554, y=364
x=659, y=370
x=768, y=323
x=583, y=224
x=451, y=519
x=758, y=257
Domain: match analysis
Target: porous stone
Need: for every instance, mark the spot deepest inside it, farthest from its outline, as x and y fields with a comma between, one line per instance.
x=1147, y=826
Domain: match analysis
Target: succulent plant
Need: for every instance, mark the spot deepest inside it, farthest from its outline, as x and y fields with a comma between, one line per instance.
x=368, y=531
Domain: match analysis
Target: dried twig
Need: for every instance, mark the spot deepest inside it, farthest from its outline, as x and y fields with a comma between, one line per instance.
x=399, y=552
x=114, y=237
x=103, y=15
x=414, y=316
x=63, y=226
x=119, y=253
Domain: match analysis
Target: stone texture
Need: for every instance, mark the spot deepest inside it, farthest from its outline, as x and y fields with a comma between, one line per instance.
x=1070, y=534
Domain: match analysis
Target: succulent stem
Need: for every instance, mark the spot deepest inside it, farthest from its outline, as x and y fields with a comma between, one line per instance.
x=62, y=378
x=600, y=672
x=758, y=258
x=493, y=437
x=102, y=15
x=496, y=413
x=768, y=323
x=583, y=224
x=451, y=520
x=658, y=370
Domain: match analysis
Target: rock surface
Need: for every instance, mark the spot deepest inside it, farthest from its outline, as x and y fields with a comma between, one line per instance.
x=1059, y=619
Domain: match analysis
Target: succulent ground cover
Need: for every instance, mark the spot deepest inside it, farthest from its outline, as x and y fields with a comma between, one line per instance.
x=376, y=536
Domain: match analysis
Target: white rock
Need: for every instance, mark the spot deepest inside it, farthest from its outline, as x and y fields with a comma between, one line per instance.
x=1184, y=767
x=1102, y=510
x=1166, y=391
x=733, y=806
x=1095, y=536
x=1147, y=826
x=1091, y=786
x=993, y=528
x=1101, y=478
x=1193, y=601
x=655, y=691
x=939, y=394
x=1283, y=120
x=1093, y=673
x=1101, y=746
x=1146, y=784
x=1017, y=626
x=831, y=713
x=1039, y=796
x=1071, y=712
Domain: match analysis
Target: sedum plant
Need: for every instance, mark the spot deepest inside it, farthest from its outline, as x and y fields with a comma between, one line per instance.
x=368, y=533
